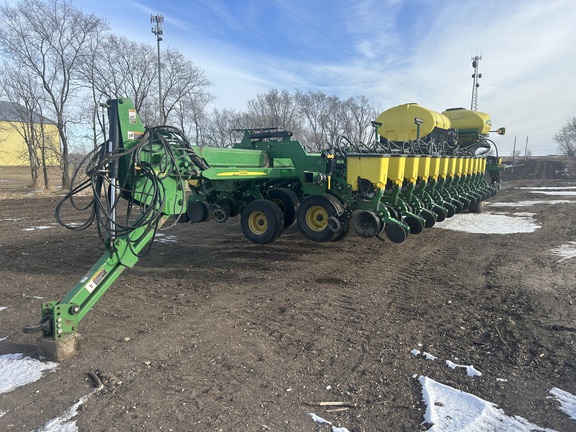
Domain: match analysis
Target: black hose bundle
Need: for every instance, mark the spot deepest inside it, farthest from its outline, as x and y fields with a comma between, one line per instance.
x=144, y=196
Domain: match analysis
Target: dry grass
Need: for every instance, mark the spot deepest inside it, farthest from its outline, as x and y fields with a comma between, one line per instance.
x=16, y=182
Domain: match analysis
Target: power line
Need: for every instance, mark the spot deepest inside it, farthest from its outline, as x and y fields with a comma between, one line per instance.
x=354, y=53
x=295, y=53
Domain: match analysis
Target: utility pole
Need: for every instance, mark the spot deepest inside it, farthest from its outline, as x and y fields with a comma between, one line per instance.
x=475, y=84
x=158, y=20
x=513, y=154
x=526, y=149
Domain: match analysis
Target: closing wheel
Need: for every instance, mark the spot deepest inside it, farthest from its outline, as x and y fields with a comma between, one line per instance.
x=395, y=233
x=288, y=202
x=451, y=209
x=429, y=218
x=415, y=224
x=262, y=221
x=314, y=216
x=440, y=213
x=457, y=206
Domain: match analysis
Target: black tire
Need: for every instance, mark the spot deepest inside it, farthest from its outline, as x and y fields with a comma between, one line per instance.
x=451, y=209
x=429, y=217
x=395, y=233
x=366, y=223
x=288, y=202
x=457, y=206
x=262, y=221
x=198, y=211
x=440, y=213
x=313, y=217
x=415, y=224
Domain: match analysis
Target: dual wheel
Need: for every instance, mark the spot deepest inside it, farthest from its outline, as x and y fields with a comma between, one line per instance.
x=263, y=220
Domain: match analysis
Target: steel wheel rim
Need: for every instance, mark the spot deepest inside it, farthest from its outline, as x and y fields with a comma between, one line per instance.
x=258, y=222
x=317, y=218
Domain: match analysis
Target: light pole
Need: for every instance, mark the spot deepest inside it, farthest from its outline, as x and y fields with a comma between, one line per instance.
x=158, y=20
x=475, y=84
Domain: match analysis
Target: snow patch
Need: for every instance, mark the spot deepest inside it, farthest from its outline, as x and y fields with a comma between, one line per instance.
x=567, y=401
x=489, y=223
x=530, y=203
x=426, y=355
x=452, y=410
x=320, y=420
x=17, y=370
x=566, y=251
x=470, y=370
x=548, y=188
x=555, y=192
x=163, y=238
x=3, y=308
x=62, y=423
x=40, y=227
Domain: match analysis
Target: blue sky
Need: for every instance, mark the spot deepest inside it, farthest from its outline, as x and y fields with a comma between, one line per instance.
x=392, y=51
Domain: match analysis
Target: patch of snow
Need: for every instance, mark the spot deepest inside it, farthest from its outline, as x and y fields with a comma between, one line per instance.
x=549, y=188
x=452, y=410
x=62, y=423
x=530, y=203
x=320, y=420
x=41, y=227
x=556, y=192
x=489, y=223
x=17, y=370
x=501, y=379
x=1, y=339
x=566, y=251
x=3, y=413
x=163, y=238
x=3, y=308
x=470, y=370
x=567, y=401
x=426, y=355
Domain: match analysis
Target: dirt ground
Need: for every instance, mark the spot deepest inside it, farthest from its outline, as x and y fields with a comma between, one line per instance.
x=212, y=333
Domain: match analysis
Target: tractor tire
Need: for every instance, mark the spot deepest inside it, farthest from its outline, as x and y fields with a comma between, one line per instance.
x=288, y=202
x=314, y=216
x=262, y=221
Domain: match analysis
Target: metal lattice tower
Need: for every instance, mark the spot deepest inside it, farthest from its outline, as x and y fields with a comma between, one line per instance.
x=475, y=84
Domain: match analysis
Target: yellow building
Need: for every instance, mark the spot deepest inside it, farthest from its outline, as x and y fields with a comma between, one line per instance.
x=13, y=130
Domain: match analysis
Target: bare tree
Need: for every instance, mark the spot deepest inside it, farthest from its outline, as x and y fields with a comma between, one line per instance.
x=274, y=108
x=23, y=112
x=220, y=130
x=358, y=114
x=314, y=108
x=566, y=139
x=47, y=38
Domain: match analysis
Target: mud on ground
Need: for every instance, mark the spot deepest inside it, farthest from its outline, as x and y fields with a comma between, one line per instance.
x=212, y=333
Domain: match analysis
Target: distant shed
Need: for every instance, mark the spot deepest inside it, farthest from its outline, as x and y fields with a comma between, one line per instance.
x=13, y=127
